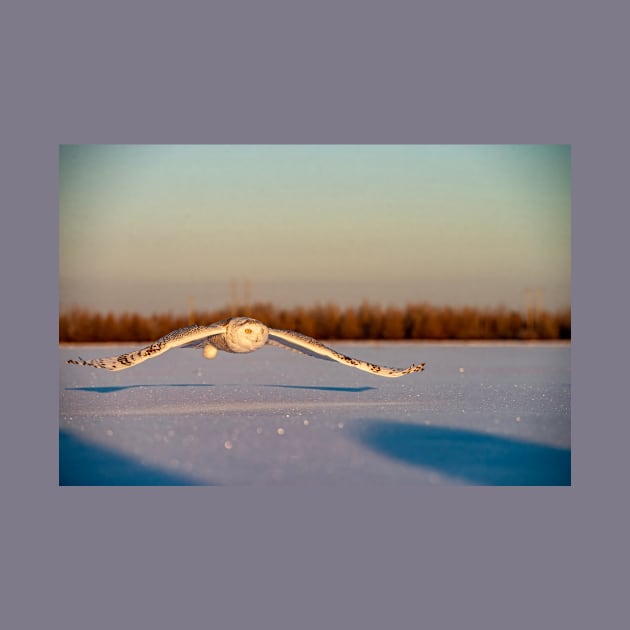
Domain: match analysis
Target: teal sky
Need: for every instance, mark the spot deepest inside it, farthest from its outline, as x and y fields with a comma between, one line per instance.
x=161, y=227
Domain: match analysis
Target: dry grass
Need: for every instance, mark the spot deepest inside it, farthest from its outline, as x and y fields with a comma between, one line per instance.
x=415, y=321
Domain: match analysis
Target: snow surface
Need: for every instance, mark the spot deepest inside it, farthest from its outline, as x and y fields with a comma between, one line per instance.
x=487, y=414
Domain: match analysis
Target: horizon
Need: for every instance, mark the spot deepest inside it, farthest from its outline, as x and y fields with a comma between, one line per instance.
x=163, y=228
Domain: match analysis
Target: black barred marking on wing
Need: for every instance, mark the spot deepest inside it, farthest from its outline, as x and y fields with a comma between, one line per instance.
x=78, y=361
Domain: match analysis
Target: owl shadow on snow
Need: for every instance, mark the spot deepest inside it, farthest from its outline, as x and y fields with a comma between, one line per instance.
x=107, y=389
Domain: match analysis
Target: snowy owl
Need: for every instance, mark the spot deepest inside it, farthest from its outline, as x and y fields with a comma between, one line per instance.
x=239, y=334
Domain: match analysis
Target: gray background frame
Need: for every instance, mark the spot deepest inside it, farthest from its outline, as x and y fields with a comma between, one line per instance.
x=349, y=72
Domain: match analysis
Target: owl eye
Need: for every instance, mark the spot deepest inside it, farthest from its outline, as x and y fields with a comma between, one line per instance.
x=248, y=331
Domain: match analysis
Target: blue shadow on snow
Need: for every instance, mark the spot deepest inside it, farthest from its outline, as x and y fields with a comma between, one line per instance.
x=82, y=463
x=118, y=388
x=324, y=388
x=474, y=457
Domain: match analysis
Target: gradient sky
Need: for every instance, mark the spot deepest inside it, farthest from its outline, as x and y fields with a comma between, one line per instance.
x=150, y=228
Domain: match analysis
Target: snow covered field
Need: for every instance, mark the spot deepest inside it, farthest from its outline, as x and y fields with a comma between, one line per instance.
x=479, y=414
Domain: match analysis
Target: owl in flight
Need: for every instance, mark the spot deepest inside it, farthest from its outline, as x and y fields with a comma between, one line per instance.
x=239, y=334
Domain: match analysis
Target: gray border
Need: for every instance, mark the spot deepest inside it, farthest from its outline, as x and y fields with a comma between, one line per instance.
x=358, y=72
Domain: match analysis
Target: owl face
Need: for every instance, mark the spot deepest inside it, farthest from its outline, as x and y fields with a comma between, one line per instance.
x=244, y=334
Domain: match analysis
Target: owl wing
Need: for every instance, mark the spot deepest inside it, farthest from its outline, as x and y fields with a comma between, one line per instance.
x=292, y=340
x=182, y=337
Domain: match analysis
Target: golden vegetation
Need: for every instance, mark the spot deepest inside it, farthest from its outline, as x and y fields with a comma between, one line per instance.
x=368, y=321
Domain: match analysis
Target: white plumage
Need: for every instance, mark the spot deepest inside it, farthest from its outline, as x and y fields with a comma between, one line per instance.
x=240, y=334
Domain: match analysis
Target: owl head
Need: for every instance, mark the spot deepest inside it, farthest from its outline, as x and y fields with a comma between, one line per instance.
x=245, y=334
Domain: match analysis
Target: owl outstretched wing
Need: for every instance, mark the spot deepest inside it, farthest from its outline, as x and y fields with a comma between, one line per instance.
x=292, y=340
x=182, y=337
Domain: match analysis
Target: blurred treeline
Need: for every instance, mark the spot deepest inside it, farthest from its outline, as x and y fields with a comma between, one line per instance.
x=368, y=321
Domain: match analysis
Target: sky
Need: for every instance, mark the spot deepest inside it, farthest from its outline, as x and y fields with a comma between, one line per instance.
x=166, y=228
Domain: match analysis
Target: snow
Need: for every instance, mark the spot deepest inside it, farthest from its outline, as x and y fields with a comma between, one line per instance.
x=491, y=414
